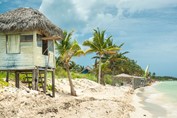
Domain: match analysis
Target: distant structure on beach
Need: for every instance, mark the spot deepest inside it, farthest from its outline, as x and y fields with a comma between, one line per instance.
x=27, y=45
x=123, y=79
x=86, y=70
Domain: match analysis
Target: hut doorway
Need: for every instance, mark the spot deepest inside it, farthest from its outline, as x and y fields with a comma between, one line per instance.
x=44, y=47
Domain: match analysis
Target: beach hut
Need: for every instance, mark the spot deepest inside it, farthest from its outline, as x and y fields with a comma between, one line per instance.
x=86, y=70
x=124, y=79
x=27, y=44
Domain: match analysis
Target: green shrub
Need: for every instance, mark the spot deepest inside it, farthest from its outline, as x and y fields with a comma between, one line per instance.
x=86, y=76
x=2, y=75
x=49, y=87
x=60, y=72
x=108, y=79
x=3, y=83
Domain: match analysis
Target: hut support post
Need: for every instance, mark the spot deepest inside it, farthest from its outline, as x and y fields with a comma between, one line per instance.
x=17, y=79
x=53, y=83
x=45, y=79
x=36, y=78
x=7, y=76
x=33, y=79
x=133, y=83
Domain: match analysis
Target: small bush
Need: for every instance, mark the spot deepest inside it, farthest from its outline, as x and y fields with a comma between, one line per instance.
x=86, y=76
x=3, y=83
x=60, y=72
x=2, y=75
x=108, y=79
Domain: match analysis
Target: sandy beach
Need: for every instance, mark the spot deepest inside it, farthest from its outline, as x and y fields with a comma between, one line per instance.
x=93, y=101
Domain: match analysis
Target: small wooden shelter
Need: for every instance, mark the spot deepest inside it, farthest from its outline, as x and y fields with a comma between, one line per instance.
x=123, y=79
x=27, y=45
x=86, y=70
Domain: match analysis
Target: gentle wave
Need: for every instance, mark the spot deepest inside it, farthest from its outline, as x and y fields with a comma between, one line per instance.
x=162, y=96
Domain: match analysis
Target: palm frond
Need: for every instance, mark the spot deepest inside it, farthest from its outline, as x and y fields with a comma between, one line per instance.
x=79, y=53
x=91, y=44
x=89, y=51
x=121, y=45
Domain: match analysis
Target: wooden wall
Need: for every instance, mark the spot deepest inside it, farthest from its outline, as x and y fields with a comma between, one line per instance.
x=29, y=57
x=16, y=61
x=40, y=59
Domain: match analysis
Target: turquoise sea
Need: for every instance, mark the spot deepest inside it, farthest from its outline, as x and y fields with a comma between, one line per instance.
x=160, y=99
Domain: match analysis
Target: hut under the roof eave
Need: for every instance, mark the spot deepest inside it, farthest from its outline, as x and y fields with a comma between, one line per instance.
x=27, y=42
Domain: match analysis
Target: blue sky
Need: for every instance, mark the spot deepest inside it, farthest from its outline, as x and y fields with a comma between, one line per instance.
x=147, y=27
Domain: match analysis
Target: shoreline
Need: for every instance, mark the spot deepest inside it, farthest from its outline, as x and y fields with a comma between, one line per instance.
x=139, y=112
x=153, y=103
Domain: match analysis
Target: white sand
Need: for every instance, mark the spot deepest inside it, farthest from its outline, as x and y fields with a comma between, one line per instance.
x=93, y=101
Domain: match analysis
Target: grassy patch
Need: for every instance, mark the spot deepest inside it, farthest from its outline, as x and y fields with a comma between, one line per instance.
x=108, y=79
x=2, y=75
x=86, y=76
x=3, y=83
x=60, y=72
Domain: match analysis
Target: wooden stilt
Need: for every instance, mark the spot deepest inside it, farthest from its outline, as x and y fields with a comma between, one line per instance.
x=27, y=79
x=7, y=76
x=53, y=83
x=45, y=79
x=17, y=79
x=133, y=83
x=41, y=79
x=33, y=79
x=36, y=78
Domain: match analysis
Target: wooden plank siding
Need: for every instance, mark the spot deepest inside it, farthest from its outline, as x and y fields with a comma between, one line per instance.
x=30, y=55
x=15, y=61
x=40, y=59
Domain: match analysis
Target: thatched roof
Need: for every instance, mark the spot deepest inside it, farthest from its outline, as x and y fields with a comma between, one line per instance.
x=27, y=19
x=123, y=76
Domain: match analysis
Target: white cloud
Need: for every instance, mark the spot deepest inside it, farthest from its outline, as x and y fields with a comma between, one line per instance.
x=82, y=8
x=93, y=13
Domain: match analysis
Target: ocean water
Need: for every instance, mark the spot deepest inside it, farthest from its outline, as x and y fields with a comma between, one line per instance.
x=160, y=99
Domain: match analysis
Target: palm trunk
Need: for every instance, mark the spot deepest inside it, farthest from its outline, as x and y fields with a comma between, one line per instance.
x=102, y=79
x=73, y=92
x=99, y=71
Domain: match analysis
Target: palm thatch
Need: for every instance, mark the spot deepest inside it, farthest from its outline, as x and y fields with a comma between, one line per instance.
x=27, y=19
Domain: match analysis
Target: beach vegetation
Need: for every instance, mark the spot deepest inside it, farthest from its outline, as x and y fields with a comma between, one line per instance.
x=68, y=49
x=164, y=78
x=100, y=45
x=3, y=83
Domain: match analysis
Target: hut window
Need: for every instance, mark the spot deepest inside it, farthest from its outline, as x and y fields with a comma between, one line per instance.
x=26, y=38
x=39, y=40
x=13, y=43
x=44, y=47
x=51, y=46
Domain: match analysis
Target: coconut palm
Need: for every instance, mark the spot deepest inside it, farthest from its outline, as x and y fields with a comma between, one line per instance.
x=67, y=50
x=101, y=46
x=114, y=61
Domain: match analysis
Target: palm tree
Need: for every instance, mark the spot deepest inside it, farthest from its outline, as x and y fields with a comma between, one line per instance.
x=115, y=59
x=101, y=46
x=67, y=50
